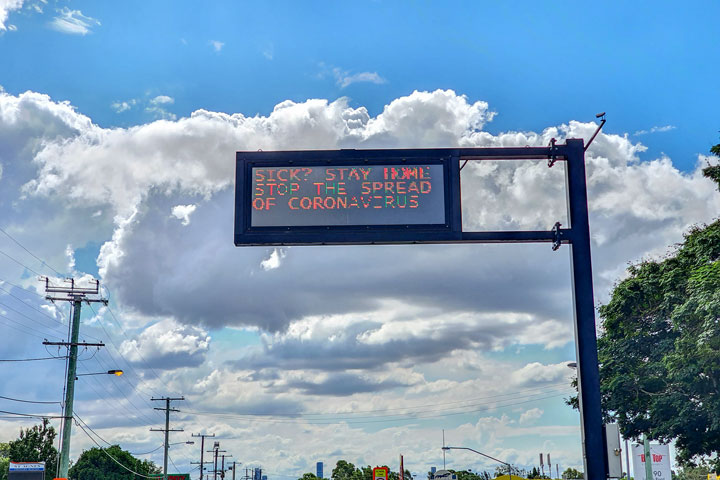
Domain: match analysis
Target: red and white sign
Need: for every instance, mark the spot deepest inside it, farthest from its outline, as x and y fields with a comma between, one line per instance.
x=660, y=459
x=380, y=473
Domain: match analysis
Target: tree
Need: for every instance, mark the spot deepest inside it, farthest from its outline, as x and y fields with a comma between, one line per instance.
x=96, y=463
x=660, y=348
x=572, y=473
x=36, y=445
x=507, y=470
x=347, y=471
x=4, y=460
x=308, y=476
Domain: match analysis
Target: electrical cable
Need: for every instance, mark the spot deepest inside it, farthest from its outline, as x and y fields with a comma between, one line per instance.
x=173, y=463
x=33, y=307
x=142, y=420
x=21, y=288
x=127, y=397
x=107, y=400
x=27, y=401
x=401, y=417
x=21, y=264
x=30, y=415
x=52, y=328
x=30, y=359
x=125, y=378
x=32, y=254
x=148, y=453
x=117, y=350
x=409, y=409
x=44, y=334
x=111, y=457
x=77, y=417
x=137, y=349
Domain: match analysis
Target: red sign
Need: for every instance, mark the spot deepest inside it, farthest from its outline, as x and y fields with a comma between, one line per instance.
x=380, y=473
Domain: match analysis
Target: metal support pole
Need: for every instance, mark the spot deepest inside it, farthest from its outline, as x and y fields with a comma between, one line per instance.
x=627, y=459
x=70, y=390
x=584, y=309
x=648, y=459
x=202, y=452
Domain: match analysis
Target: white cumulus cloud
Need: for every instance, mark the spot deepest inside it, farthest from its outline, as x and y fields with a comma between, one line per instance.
x=183, y=212
x=530, y=416
x=7, y=6
x=656, y=129
x=73, y=22
x=345, y=79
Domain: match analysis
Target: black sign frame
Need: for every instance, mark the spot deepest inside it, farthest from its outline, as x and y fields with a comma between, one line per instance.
x=572, y=153
x=247, y=235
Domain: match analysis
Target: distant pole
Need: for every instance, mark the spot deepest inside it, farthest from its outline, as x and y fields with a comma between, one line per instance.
x=627, y=458
x=443, y=449
x=202, y=451
x=167, y=429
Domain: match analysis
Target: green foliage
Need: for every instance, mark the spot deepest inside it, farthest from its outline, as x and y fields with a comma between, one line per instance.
x=715, y=150
x=713, y=171
x=691, y=473
x=660, y=350
x=95, y=463
x=308, y=476
x=35, y=444
x=468, y=475
x=505, y=470
x=4, y=461
x=535, y=473
x=347, y=471
x=572, y=473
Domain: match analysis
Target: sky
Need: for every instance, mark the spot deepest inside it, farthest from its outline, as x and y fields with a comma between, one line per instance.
x=119, y=124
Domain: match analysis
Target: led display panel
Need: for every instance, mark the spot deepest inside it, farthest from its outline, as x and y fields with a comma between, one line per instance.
x=347, y=195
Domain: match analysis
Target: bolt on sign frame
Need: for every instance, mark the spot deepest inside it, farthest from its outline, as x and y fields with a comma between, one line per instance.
x=286, y=186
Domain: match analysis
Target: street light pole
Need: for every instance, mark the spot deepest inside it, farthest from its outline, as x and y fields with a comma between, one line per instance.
x=484, y=455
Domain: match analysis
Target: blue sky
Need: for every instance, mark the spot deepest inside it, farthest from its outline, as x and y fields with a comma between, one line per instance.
x=646, y=64
x=119, y=124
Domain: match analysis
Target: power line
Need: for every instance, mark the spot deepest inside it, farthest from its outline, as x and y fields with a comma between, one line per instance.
x=409, y=417
x=32, y=306
x=31, y=359
x=116, y=347
x=137, y=349
x=20, y=263
x=517, y=394
x=45, y=334
x=30, y=415
x=111, y=457
x=148, y=453
x=21, y=288
x=124, y=394
x=32, y=254
x=52, y=328
x=77, y=417
x=26, y=401
x=141, y=418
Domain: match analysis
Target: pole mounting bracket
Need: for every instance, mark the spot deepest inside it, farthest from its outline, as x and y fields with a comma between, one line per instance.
x=556, y=235
x=552, y=156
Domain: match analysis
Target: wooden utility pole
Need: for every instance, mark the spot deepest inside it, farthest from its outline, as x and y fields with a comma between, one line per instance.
x=167, y=428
